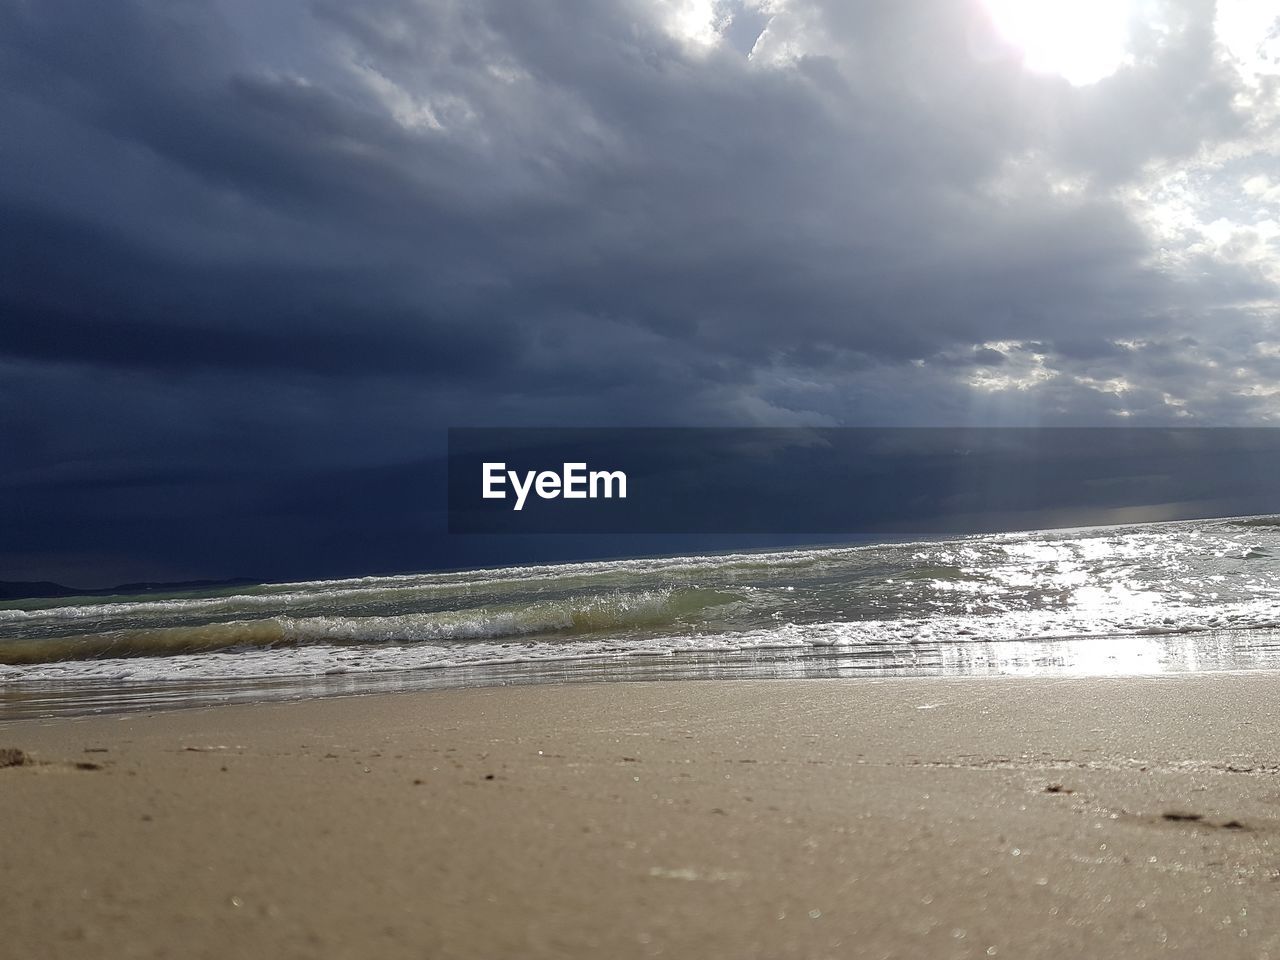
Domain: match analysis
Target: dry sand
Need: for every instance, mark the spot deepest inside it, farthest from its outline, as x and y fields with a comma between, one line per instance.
x=868, y=818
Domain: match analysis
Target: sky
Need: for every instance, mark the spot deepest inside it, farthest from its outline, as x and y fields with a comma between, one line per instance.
x=257, y=257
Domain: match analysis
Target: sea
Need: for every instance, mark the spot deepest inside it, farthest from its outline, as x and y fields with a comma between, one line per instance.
x=1198, y=595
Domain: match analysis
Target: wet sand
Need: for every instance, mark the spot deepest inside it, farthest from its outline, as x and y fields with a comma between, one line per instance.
x=1012, y=817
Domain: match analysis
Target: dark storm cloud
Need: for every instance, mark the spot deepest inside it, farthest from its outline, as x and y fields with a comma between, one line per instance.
x=76, y=289
x=243, y=239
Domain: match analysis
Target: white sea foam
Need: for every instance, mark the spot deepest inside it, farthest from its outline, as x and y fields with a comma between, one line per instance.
x=276, y=648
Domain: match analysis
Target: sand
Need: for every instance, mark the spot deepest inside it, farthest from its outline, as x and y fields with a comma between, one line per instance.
x=1012, y=817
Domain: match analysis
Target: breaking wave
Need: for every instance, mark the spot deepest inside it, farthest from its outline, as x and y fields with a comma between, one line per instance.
x=581, y=616
x=1141, y=597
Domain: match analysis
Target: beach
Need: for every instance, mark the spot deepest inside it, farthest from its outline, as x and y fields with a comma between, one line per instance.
x=684, y=479
x=890, y=817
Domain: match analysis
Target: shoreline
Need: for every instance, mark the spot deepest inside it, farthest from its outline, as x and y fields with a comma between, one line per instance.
x=903, y=816
x=1168, y=653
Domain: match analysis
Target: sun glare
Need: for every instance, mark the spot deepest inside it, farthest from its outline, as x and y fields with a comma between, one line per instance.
x=1082, y=41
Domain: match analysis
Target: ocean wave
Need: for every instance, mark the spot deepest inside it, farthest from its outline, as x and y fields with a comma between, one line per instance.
x=408, y=587
x=616, y=610
x=1111, y=587
x=1265, y=521
x=331, y=649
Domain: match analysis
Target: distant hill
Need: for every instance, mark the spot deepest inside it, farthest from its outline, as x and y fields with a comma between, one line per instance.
x=45, y=589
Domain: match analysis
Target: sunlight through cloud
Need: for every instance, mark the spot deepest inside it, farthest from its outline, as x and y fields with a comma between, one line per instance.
x=1082, y=41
